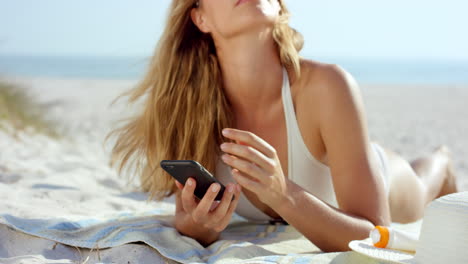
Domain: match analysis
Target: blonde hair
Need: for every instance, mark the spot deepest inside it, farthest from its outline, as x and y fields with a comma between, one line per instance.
x=186, y=108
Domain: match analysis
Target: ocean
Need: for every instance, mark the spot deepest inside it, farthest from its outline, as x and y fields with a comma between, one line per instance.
x=381, y=71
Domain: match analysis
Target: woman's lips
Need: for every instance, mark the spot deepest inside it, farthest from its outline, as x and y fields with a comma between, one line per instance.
x=241, y=2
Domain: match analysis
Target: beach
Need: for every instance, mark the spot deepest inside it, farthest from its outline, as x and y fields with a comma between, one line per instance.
x=38, y=174
x=415, y=119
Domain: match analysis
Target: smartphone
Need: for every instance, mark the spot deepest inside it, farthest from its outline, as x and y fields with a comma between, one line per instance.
x=181, y=170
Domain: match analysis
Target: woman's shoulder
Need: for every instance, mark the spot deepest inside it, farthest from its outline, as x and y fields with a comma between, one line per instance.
x=325, y=82
x=316, y=75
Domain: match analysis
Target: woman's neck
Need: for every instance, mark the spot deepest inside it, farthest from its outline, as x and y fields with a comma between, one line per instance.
x=252, y=72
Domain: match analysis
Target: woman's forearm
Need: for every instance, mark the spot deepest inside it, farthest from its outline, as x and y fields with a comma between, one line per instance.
x=327, y=227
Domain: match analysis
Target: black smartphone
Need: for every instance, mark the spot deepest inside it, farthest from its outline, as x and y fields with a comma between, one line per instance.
x=181, y=170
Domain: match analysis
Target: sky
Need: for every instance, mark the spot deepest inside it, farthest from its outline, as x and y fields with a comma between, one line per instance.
x=420, y=29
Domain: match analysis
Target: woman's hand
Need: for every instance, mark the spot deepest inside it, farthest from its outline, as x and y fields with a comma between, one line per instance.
x=205, y=219
x=256, y=166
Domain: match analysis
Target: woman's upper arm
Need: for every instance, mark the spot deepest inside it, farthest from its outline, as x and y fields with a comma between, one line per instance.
x=359, y=189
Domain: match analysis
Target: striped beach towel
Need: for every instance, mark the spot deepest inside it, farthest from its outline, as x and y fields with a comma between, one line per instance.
x=241, y=242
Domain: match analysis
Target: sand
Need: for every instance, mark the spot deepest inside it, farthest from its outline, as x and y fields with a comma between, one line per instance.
x=411, y=120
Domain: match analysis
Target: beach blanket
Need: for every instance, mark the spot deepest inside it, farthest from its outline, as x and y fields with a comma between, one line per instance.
x=241, y=242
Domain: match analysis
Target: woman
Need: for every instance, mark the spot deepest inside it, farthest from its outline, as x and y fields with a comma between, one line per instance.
x=296, y=145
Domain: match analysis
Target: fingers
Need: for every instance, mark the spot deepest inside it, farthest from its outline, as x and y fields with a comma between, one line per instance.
x=214, y=205
x=179, y=185
x=204, y=205
x=208, y=212
x=246, y=167
x=251, y=139
x=250, y=154
x=232, y=190
x=188, y=198
x=232, y=206
x=246, y=182
x=179, y=205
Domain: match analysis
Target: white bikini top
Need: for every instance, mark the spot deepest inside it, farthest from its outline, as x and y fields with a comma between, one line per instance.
x=303, y=168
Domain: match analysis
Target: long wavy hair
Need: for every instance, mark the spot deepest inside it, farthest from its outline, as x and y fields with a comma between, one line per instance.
x=185, y=108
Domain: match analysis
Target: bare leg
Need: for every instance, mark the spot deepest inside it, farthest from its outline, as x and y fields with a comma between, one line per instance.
x=413, y=185
x=436, y=172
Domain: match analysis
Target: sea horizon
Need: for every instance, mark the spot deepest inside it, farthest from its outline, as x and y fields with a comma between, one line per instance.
x=364, y=70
